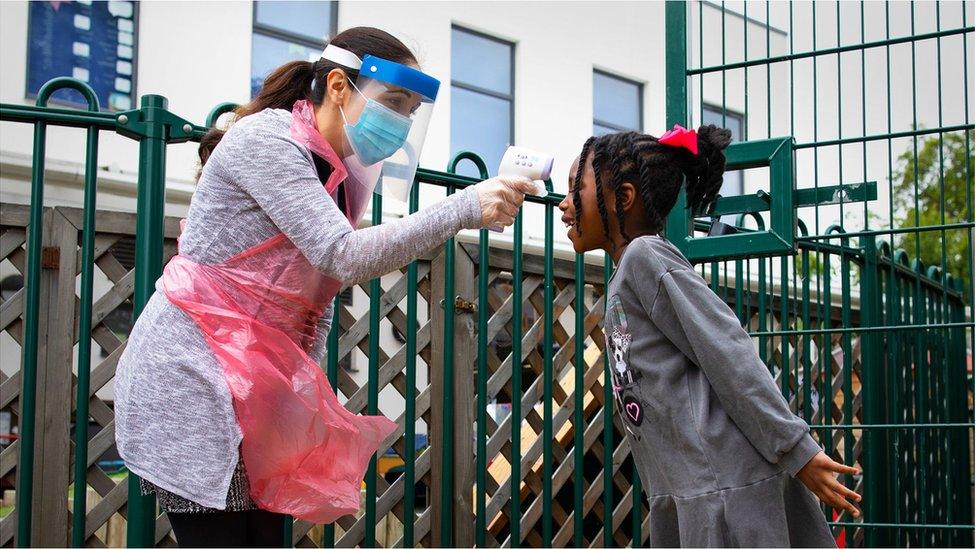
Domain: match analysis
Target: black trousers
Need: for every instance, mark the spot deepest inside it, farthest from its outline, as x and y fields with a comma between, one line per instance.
x=229, y=529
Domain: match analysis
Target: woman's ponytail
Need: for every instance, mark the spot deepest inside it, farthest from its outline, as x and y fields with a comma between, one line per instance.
x=288, y=83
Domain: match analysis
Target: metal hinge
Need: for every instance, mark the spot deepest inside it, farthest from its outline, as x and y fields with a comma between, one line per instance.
x=463, y=305
x=50, y=257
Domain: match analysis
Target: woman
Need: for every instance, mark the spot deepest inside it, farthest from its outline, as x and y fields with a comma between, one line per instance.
x=230, y=342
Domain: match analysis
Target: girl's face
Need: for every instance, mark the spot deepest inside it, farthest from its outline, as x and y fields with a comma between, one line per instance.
x=588, y=234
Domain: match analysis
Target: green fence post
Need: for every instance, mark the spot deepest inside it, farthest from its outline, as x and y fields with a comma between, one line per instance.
x=676, y=98
x=960, y=471
x=150, y=201
x=410, y=394
x=79, y=510
x=516, y=413
x=579, y=428
x=607, y=417
x=547, y=379
x=332, y=371
x=447, y=421
x=873, y=391
x=372, y=384
x=28, y=397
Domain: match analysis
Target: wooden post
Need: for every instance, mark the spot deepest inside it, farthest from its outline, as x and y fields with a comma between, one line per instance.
x=52, y=456
x=435, y=427
x=465, y=351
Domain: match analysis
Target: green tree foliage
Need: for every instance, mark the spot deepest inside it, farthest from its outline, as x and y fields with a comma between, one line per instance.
x=943, y=195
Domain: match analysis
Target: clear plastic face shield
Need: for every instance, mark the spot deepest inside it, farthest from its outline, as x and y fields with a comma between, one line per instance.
x=385, y=123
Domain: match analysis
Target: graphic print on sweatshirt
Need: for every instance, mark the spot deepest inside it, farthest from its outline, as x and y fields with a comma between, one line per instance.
x=624, y=378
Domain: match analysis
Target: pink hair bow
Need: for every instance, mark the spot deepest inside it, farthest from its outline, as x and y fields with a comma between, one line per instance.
x=679, y=136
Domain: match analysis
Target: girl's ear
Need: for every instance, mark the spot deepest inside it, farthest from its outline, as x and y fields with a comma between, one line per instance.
x=628, y=195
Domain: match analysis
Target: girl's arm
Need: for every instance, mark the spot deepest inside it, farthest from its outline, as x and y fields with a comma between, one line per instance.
x=700, y=324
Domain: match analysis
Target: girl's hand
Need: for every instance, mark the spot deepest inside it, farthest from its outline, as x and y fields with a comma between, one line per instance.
x=501, y=198
x=819, y=475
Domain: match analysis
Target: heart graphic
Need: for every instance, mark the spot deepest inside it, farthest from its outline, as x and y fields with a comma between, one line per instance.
x=633, y=410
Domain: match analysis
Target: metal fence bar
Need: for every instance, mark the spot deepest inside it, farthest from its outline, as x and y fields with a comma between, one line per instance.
x=141, y=517
x=332, y=372
x=547, y=377
x=831, y=51
x=79, y=508
x=608, y=445
x=579, y=365
x=375, y=288
x=875, y=480
x=447, y=421
x=28, y=395
x=516, y=442
x=410, y=395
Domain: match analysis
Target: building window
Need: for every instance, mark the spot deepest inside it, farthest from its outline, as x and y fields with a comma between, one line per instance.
x=94, y=42
x=735, y=122
x=617, y=104
x=288, y=31
x=482, y=97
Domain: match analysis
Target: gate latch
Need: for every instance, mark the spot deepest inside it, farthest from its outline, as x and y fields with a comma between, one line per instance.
x=463, y=305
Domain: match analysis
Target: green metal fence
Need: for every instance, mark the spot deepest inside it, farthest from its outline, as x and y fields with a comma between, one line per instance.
x=885, y=385
x=867, y=345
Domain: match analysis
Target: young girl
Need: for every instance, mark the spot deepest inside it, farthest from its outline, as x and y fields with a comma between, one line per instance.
x=722, y=459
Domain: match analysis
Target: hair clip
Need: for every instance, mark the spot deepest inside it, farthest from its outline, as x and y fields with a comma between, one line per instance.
x=679, y=136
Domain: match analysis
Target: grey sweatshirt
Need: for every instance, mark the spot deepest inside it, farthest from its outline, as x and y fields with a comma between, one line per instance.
x=174, y=418
x=715, y=444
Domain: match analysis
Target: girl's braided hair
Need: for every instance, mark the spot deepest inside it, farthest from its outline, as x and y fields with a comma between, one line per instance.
x=655, y=170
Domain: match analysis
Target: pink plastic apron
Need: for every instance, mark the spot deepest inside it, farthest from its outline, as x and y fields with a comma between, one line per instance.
x=305, y=454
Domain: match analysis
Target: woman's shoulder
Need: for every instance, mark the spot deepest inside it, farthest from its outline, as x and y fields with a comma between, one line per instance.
x=259, y=136
x=268, y=122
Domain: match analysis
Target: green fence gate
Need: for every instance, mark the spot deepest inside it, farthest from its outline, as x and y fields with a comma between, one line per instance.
x=869, y=345
x=874, y=101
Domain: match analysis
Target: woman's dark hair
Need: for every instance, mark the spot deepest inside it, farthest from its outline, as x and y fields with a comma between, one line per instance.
x=292, y=81
x=655, y=170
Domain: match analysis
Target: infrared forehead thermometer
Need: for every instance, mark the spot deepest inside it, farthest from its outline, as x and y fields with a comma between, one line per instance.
x=528, y=163
x=535, y=165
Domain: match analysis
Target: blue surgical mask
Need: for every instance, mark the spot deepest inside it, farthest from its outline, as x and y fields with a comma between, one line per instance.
x=378, y=134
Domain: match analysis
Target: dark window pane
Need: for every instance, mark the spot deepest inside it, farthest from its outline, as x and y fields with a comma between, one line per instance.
x=732, y=184
x=482, y=62
x=311, y=19
x=616, y=101
x=267, y=54
x=482, y=124
x=733, y=121
x=599, y=130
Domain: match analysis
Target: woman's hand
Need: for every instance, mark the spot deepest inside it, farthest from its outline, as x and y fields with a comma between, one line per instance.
x=501, y=198
x=819, y=475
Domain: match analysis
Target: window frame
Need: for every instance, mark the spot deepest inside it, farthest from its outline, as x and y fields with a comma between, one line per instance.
x=293, y=37
x=729, y=113
x=278, y=33
x=510, y=97
x=640, y=103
